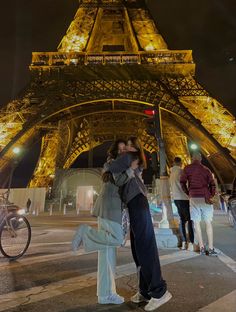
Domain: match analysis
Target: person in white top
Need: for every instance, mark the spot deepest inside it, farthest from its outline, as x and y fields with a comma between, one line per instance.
x=181, y=201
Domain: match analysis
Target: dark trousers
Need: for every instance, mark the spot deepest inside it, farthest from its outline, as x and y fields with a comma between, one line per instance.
x=184, y=214
x=144, y=248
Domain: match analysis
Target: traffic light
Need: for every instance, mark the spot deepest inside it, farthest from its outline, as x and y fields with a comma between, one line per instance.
x=150, y=122
x=149, y=112
x=151, y=126
x=154, y=161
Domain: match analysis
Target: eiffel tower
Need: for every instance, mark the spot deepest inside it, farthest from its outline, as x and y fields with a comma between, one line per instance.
x=111, y=66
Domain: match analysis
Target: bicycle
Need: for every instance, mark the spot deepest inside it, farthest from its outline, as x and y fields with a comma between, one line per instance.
x=15, y=230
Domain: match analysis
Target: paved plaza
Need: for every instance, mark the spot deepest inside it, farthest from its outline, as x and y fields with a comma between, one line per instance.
x=50, y=278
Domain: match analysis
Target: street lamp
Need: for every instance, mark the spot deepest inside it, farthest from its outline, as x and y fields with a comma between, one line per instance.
x=16, y=150
x=194, y=147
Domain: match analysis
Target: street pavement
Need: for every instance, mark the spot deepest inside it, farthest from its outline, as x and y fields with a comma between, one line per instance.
x=51, y=278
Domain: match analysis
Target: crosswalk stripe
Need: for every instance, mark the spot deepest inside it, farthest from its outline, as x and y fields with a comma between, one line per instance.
x=32, y=245
x=38, y=293
x=226, y=304
x=227, y=261
x=38, y=259
x=65, y=222
x=26, y=260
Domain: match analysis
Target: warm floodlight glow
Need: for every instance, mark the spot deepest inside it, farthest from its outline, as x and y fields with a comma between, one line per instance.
x=149, y=47
x=75, y=43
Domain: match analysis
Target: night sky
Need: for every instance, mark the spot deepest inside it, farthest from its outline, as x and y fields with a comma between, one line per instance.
x=208, y=27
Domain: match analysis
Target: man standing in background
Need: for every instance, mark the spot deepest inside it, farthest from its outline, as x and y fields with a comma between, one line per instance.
x=181, y=201
x=198, y=183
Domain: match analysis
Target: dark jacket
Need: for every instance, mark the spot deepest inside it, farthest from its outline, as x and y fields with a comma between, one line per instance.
x=135, y=185
x=197, y=181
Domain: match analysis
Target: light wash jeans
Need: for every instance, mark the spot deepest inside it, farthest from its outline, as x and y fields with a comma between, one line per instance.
x=105, y=239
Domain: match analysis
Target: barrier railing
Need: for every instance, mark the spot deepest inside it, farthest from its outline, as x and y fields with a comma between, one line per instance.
x=82, y=58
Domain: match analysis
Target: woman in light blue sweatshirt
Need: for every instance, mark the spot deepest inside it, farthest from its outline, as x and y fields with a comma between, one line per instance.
x=109, y=235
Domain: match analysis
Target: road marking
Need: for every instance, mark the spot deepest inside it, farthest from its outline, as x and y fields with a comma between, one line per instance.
x=42, y=244
x=227, y=261
x=38, y=293
x=38, y=259
x=27, y=260
x=54, y=222
x=46, y=244
x=226, y=304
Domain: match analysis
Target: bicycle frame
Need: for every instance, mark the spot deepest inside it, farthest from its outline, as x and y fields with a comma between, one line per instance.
x=11, y=223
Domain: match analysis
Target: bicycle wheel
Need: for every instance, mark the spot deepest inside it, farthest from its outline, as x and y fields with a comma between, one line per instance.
x=15, y=236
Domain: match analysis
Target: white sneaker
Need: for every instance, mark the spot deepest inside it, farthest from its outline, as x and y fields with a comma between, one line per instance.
x=155, y=303
x=112, y=299
x=190, y=247
x=184, y=246
x=137, y=298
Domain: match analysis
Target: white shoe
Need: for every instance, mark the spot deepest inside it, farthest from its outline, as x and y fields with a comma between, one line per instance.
x=112, y=299
x=190, y=247
x=137, y=298
x=184, y=246
x=78, y=238
x=155, y=303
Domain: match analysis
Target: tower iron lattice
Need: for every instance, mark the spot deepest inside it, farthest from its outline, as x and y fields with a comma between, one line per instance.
x=112, y=65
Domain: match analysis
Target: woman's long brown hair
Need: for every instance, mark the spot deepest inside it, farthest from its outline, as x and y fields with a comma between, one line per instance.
x=114, y=148
x=112, y=154
x=140, y=152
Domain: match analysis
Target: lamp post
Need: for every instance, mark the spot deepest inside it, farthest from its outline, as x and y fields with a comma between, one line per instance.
x=162, y=183
x=164, y=233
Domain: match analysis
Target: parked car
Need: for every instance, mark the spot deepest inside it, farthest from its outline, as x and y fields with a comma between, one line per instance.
x=232, y=206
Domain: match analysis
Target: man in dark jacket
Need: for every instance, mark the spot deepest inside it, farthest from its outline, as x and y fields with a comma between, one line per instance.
x=198, y=183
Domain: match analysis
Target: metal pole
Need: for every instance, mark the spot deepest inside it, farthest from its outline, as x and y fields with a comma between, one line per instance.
x=50, y=209
x=60, y=205
x=37, y=209
x=167, y=212
x=160, y=143
x=64, y=209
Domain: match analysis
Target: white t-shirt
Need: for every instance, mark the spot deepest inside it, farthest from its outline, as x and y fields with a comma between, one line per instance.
x=176, y=189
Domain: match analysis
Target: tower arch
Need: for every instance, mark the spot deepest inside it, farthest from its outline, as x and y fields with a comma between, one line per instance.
x=92, y=75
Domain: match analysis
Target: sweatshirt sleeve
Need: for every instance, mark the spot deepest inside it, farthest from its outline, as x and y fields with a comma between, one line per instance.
x=122, y=178
x=120, y=164
x=183, y=182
